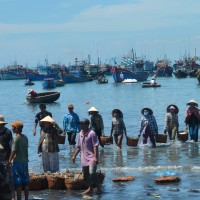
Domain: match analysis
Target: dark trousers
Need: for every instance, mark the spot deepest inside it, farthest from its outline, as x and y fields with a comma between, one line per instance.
x=151, y=137
x=71, y=138
x=98, y=133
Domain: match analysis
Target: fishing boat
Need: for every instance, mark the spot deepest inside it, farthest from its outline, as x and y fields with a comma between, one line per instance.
x=129, y=80
x=59, y=83
x=163, y=69
x=43, y=71
x=120, y=74
x=149, y=84
x=44, y=97
x=13, y=72
x=181, y=73
x=48, y=83
x=75, y=74
x=29, y=82
x=102, y=80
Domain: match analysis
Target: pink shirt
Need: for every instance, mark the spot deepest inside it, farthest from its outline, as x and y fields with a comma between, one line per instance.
x=86, y=143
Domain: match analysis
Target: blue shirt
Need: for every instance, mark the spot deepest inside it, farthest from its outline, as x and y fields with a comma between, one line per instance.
x=70, y=122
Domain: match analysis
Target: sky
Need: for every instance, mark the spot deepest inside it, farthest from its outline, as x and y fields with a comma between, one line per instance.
x=62, y=30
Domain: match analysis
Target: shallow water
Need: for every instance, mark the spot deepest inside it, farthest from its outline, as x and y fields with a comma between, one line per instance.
x=143, y=162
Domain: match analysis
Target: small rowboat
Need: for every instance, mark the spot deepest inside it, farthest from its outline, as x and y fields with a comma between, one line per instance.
x=124, y=179
x=148, y=84
x=167, y=179
x=44, y=97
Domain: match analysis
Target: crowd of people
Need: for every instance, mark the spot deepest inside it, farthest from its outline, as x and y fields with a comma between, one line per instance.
x=14, y=150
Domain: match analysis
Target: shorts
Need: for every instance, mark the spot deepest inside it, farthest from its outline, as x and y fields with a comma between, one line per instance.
x=20, y=174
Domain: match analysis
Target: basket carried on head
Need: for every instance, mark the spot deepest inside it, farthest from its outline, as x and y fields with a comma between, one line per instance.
x=61, y=138
x=183, y=135
x=133, y=142
x=161, y=138
x=106, y=140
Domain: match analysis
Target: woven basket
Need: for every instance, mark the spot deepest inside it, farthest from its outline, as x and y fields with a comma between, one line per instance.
x=183, y=135
x=133, y=142
x=56, y=182
x=167, y=179
x=75, y=182
x=106, y=140
x=35, y=182
x=161, y=138
x=61, y=139
x=44, y=182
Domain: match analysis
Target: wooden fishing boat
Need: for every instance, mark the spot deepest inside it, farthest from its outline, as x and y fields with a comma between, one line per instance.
x=44, y=97
x=167, y=179
x=59, y=83
x=102, y=80
x=124, y=179
x=149, y=84
x=28, y=82
x=48, y=83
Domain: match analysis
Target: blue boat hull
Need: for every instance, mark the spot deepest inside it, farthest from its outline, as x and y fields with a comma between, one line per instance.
x=11, y=76
x=164, y=72
x=68, y=78
x=38, y=77
x=142, y=76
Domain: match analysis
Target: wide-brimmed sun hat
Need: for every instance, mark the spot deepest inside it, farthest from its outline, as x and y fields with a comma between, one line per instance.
x=2, y=121
x=192, y=102
x=93, y=109
x=172, y=106
x=148, y=109
x=47, y=119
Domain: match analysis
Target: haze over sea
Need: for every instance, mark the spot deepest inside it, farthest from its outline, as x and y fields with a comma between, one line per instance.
x=144, y=163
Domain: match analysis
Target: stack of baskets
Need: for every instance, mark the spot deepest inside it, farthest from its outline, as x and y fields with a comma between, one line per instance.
x=60, y=181
x=183, y=135
x=106, y=140
x=133, y=142
x=161, y=138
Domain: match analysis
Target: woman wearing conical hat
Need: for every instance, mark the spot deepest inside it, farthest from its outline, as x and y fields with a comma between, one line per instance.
x=148, y=126
x=97, y=123
x=48, y=145
x=171, y=121
x=192, y=119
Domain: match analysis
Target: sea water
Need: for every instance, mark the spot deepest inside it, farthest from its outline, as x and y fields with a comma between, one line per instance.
x=143, y=162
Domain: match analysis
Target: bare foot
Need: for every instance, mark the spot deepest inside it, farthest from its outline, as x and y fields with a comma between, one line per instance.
x=88, y=191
